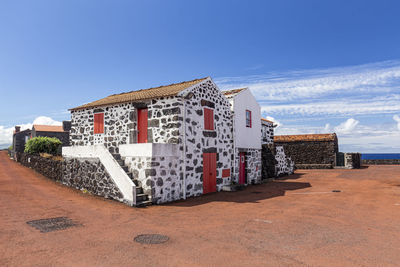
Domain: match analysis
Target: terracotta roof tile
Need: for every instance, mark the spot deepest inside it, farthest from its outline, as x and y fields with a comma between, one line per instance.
x=305, y=137
x=233, y=92
x=155, y=92
x=48, y=128
x=267, y=120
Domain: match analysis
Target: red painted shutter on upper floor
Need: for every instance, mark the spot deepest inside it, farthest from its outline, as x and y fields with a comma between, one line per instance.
x=98, y=123
x=208, y=119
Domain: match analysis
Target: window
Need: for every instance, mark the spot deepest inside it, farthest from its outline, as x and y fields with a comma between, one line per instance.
x=98, y=123
x=208, y=119
x=248, y=118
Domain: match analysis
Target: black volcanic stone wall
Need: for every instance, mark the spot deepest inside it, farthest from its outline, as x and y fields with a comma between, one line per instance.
x=380, y=162
x=311, y=152
x=86, y=174
x=268, y=161
x=50, y=168
x=91, y=175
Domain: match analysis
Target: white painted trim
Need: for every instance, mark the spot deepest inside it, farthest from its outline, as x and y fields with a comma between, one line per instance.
x=149, y=150
x=118, y=175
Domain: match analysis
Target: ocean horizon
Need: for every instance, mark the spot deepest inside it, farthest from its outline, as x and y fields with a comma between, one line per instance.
x=380, y=155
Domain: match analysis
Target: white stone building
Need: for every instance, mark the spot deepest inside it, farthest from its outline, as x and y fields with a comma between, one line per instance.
x=157, y=145
x=246, y=136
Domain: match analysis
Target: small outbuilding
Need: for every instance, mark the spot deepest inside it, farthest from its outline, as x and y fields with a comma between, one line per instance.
x=310, y=150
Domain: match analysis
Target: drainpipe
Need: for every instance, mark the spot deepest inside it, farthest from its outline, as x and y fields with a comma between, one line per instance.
x=184, y=149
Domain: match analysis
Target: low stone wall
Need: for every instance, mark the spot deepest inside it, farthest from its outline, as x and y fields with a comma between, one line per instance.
x=380, y=162
x=314, y=166
x=91, y=175
x=50, y=168
x=88, y=174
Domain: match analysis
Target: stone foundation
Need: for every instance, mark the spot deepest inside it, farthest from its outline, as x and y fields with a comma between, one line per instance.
x=159, y=177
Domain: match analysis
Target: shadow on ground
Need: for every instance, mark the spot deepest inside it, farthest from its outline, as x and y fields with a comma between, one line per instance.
x=251, y=194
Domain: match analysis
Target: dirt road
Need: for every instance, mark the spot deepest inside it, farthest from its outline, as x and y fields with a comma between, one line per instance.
x=297, y=221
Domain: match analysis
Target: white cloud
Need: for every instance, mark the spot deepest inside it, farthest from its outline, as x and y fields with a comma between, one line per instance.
x=347, y=127
x=43, y=120
x=333, y=107
x=7, y=133
x=377, y=77
x=397, y=119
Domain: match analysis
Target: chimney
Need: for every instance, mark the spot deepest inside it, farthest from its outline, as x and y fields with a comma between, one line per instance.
x=17, y=129
x=67, y=126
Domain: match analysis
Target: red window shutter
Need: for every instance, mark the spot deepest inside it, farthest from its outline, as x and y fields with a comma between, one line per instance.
x=226, y=173
x=98, y=123
x=208, y=119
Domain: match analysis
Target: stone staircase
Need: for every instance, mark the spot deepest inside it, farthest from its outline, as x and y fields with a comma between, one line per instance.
x=142, y=199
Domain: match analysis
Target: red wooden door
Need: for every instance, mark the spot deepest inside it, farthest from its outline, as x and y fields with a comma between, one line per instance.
x=209, y=172
x=242, y=166
x=142, y=125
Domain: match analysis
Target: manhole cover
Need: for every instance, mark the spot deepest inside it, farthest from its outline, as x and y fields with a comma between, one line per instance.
x=52, y=224
x=336, y=191
x=151, y=239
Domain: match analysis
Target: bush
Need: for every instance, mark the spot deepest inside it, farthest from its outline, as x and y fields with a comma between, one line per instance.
x=40, y=144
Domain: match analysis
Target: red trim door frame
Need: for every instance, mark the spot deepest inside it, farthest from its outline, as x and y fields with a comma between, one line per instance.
x=142, y=125
x=209, y=172
x=242, y=168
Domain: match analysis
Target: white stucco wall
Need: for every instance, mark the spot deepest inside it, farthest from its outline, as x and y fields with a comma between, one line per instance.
x=246, y=137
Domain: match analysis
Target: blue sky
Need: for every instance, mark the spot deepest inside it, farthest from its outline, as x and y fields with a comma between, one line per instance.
x=314, y=66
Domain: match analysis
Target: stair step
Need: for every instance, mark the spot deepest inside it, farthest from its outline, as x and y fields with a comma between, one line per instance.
x=139, y=190
x=143, y=203
x=125, y=168
x=121, y=162
x=136, y=182
x=141, y=197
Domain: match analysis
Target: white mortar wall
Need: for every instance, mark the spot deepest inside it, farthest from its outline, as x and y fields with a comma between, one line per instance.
x=246, y=137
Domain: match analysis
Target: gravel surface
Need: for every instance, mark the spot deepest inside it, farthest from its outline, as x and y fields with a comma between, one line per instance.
x=294, y=221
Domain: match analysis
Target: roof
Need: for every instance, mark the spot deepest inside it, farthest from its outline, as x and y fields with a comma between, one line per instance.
x=267, y=120
x=305, y=137
x=48, y=128
x=233, y=92
x=23, y=131
x=143, y=94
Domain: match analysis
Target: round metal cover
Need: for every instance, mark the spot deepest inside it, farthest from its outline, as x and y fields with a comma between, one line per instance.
x=336, y=191
x=151, y=239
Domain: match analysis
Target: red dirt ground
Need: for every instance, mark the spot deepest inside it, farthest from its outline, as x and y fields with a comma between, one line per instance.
x=295, y=221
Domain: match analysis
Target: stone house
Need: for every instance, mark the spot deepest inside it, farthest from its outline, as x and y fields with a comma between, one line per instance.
x=310, y=150
x=155, y=145
x=60, y=132
x=21, y=137
x=19, y=140
x=246, y=114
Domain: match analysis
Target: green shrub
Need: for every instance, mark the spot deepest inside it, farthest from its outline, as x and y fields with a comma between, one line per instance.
x=10, y=148
x=40, y=144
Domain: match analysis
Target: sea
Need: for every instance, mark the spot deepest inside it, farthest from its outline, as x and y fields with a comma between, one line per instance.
x=380, y=156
